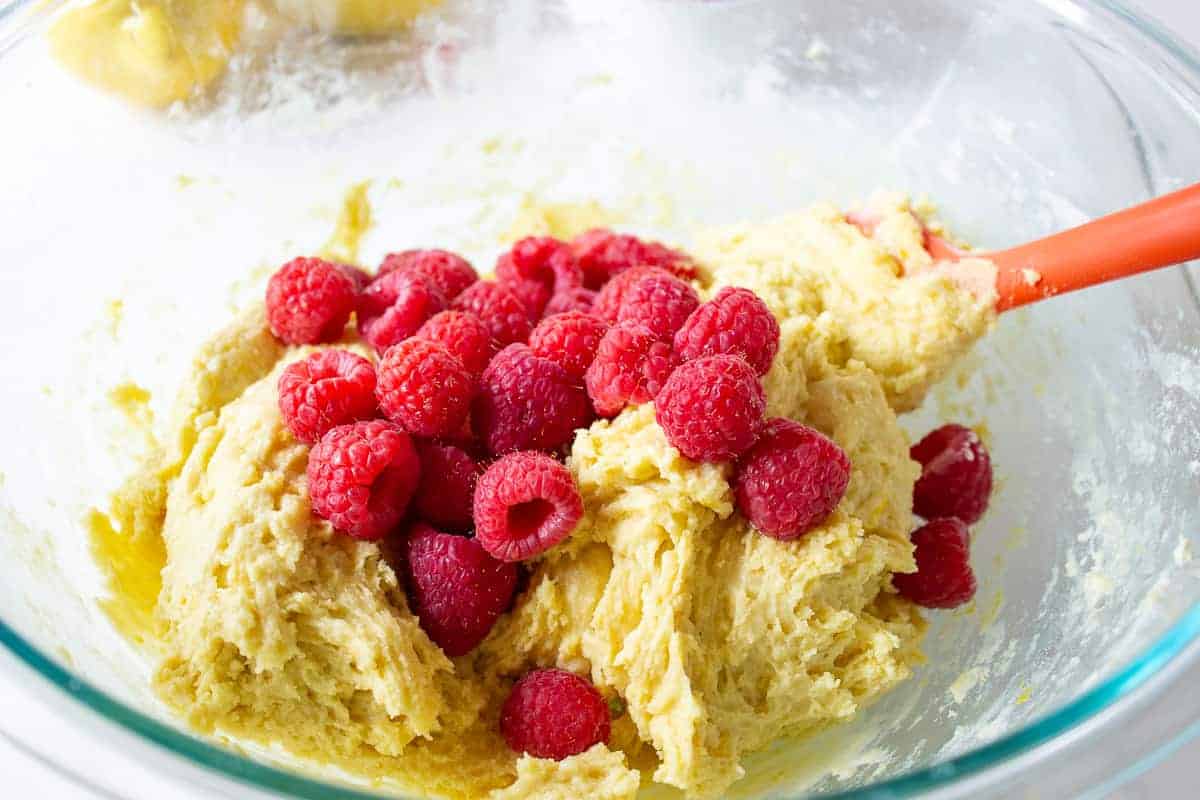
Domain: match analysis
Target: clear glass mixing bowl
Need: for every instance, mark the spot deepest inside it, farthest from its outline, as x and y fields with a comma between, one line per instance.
x=129, y=235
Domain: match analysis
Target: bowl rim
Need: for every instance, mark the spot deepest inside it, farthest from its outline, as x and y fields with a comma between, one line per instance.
x=1170, y=647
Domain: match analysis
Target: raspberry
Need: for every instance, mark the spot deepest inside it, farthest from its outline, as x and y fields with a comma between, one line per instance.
x=736, y=321
x=711, y=409
x=956, y=475
x=943, y=578
x=361, y=477
x=394, y=307
x=449, y=273
x=458, y=591
x=791, y=480
x=603, y=254
x=497, y=308
x=578, y=299
x=423, y=388
x=569, y=340
x=536, y=268
x=552, y=713
x=356, y=274
x=327, y=389
x=527, y=403
x=610, y=299
x=447, y=488
x=630, y=367
x=525, y=503
x=660, y=302
x=463, y=335
x=309, y=301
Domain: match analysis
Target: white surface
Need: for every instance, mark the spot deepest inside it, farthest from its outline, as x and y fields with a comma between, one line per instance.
x=25, y=776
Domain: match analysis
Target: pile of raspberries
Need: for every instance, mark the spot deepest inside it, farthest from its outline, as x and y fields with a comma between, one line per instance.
x=449, y=447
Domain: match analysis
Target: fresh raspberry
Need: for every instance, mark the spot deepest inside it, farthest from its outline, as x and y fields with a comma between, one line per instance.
x=447, y=489
x=943, y=578
x=457, y=590
x=603, y=254
x=737, y=322
x=463, y=335
x=327, y=389
x=791, y=480
x=395, y=306
x=660, y=302
x=631, y=366
x=361, y=477
x=309, y=301
x=610, y=298
x=497, y=308
x=579, y=299
x=712, y=408
x=956, y=475
x=537, y=268
x=525, y=503
x=357, y=274
x=527, y=403
x=552, y=713
x=423, y=388
x=449, y=273
x=569, y=340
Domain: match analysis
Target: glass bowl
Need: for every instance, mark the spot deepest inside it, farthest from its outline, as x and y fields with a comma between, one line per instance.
x=130, y=235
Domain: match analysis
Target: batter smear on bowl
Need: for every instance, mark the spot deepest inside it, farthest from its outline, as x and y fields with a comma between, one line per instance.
x=562, y=555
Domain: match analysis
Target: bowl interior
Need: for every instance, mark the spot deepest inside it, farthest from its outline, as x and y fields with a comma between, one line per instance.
x=130, y=236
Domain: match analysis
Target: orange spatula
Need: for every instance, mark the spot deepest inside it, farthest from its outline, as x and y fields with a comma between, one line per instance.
x=1159, y=233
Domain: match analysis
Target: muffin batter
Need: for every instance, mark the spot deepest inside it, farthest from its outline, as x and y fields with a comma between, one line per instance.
x=716, y=641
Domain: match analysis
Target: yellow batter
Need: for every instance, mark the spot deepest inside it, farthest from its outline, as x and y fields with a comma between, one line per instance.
x=718, y=641
x=157, y=52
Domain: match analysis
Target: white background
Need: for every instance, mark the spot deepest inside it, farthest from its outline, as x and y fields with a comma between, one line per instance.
x=1175, y=777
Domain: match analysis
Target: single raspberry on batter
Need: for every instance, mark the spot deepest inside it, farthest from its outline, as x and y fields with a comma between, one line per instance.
x=357, y=274
x=327, y=389
x=711, y=409
x=569, y=340
x=309, y=301
x=604, y=254
x=447, y=489
x=449, y=273
x=463, y=335
x=423, y=388
x=526, y=402
x=790, y=481
x=956, y=474
x=552, y=713
x=737, y=322
x=631, y=366
x=943, y=578
x=536, y=268
x=499, y=309
x=525, y=503
x=457, y=590
x=361, y=477
x=579, y=299
x=660, y=302
x=395, y=306
x=610, y=298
